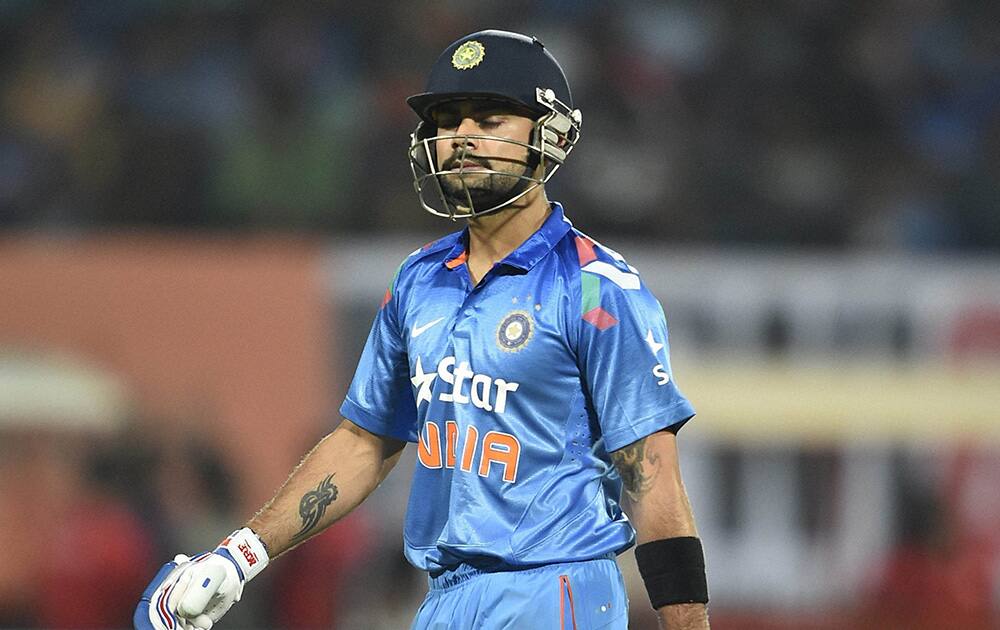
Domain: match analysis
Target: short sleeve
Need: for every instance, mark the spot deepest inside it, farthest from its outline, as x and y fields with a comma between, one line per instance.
x=380, y=399
x=625, y=359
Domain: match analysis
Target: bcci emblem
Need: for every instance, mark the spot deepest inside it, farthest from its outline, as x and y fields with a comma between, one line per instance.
x=468, y=55
x=515, y=331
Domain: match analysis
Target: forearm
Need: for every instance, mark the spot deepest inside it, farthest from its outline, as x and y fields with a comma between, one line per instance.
x=663, y=512
x=333, y=478
x=659, y=509
x=669, y=515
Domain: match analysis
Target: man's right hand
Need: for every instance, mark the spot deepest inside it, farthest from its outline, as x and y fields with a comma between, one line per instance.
x=196, y=592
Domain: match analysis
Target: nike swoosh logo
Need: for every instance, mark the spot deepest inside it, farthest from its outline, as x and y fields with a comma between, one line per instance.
x=419, y=330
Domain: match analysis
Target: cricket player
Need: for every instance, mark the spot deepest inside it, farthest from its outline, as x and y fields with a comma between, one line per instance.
x=528, y=363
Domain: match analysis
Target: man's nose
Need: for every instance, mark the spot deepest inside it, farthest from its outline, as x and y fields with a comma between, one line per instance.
x=466, y=128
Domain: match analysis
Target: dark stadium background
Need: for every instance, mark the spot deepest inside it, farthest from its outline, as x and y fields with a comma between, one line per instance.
x=201, y=204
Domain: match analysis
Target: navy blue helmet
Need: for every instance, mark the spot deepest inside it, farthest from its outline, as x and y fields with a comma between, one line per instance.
x=495, y=66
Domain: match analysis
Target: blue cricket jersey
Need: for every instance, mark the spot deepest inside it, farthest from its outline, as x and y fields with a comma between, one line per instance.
x=515, y=391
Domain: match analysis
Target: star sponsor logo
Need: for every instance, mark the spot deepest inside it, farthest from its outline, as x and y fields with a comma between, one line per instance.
x=423, y=381
x=461, y=385
x=653, y=344
x=660, y=372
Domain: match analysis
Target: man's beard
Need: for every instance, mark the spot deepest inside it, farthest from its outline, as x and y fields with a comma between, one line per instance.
x=485, y=190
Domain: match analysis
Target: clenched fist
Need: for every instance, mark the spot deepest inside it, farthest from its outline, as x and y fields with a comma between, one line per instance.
x=196, y=592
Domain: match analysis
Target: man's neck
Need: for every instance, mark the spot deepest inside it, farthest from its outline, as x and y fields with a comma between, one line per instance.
x=493, y=237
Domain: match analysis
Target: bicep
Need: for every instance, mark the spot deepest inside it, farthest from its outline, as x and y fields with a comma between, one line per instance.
x=651, y=479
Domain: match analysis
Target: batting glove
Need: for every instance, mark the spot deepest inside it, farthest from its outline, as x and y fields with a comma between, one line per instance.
x=191, y=593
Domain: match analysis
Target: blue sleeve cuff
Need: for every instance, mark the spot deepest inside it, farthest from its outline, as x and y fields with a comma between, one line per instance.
x=679, y=412
x=373, y=423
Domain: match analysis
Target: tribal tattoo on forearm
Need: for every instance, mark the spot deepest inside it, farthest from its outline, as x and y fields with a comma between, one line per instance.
x=637, y=468
x=313, y=505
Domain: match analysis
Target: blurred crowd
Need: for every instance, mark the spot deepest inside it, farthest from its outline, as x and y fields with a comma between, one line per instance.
x=87, y=520
x=822, y=123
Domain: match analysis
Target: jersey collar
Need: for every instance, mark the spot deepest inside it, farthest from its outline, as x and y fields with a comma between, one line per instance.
x=529, y=252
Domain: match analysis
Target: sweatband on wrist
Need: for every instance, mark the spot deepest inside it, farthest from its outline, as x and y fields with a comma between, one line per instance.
x=673, y=570
x=246, y=551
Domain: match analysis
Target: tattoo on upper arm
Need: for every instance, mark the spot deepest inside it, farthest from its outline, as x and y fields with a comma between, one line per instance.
x=313, y=505
x=637, y=467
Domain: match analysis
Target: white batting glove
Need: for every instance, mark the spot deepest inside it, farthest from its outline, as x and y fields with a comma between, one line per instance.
x=191, y=593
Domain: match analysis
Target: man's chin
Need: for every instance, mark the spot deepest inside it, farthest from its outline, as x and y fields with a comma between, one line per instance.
x=467, y=179
x=479, y=203
x=481, y=199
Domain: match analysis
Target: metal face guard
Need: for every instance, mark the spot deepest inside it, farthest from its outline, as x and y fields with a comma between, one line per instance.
x=552, y=139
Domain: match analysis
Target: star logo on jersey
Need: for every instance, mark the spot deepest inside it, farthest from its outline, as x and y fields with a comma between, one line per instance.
x=653, y=344
x=423, y=380
x=660, y=372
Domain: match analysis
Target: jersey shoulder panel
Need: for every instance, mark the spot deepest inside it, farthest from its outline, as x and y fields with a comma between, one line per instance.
x=431, y=252
x=594, y=255
x=597, y=277
x=606, y=285
x=603, y=270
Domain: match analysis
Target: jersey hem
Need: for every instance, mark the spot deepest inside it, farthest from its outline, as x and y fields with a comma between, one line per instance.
x=525, y=551
x=464, y=573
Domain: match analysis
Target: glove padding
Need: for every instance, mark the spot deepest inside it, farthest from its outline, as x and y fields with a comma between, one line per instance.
x=194, y=593
x=189, y=593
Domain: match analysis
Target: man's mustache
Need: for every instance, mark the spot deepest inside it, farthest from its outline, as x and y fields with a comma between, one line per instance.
x=457, y=159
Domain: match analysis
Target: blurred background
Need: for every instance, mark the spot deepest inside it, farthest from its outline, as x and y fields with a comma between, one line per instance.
x=201, y=204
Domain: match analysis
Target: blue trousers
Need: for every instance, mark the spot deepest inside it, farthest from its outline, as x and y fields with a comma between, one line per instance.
x=586, y=595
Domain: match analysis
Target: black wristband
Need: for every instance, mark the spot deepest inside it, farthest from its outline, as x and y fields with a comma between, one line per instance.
x=673, y=570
